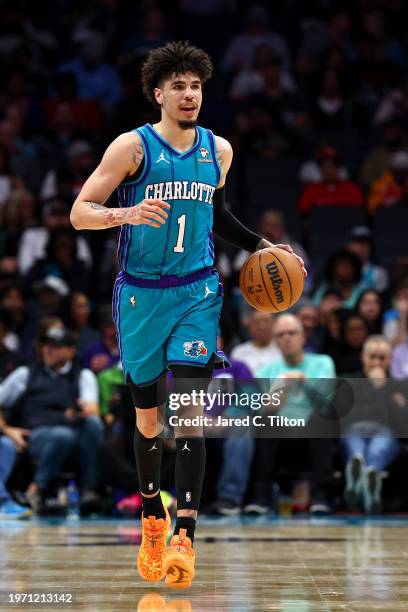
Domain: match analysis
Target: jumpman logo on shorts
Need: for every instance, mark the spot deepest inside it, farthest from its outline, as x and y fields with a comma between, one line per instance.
x=161, y=158
x=154, y=447
x=208, y=291
x=185, y=447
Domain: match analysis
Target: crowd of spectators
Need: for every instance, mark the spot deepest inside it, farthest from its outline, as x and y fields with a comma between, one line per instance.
x=317, y=87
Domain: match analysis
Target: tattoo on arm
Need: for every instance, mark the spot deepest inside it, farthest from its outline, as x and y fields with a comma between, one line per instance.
x=114, y=216
x=221, y=156
x=137, y=155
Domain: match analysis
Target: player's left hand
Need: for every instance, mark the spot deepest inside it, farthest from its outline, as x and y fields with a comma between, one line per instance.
x=264, y=244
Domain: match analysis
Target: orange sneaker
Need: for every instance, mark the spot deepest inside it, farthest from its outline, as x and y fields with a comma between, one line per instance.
x=178, y=564
x=153, y=547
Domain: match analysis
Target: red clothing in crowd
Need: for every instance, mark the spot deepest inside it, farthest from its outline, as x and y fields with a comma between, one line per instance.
x=342, y=193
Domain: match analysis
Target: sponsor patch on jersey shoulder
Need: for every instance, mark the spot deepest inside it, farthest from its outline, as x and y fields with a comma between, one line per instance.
x=195, y=348
x=205, y=156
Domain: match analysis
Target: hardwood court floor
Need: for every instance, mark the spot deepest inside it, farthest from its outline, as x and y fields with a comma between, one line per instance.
x=243, y=565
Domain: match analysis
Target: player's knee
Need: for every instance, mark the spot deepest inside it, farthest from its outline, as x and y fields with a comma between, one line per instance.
x=147, y=423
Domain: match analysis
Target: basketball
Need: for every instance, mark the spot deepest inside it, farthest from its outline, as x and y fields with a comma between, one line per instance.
x=271, y=280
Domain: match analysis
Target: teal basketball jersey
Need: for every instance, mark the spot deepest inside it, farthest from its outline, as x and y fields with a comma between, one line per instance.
x=187, y=181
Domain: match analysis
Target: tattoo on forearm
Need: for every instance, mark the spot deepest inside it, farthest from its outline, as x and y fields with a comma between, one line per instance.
x=114, y=216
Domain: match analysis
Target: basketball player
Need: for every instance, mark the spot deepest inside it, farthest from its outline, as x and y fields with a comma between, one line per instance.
x=167, y=298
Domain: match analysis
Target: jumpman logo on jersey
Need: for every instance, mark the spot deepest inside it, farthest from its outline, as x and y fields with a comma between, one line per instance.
x=161, y=158
x=154, y=447
x=185, y=447
x=208, y=291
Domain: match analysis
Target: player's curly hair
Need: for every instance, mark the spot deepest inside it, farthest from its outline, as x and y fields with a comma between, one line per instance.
x=174, y=58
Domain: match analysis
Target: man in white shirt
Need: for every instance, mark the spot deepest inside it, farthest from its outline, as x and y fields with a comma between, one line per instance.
x=260, y=349
x=34, y=240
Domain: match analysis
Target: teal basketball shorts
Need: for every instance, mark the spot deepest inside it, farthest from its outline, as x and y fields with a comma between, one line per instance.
x=160, y=325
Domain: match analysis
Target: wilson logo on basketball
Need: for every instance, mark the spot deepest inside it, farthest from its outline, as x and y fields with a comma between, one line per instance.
x=276, y=280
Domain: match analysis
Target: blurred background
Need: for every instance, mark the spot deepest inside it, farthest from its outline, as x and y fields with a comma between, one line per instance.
x=313, y=97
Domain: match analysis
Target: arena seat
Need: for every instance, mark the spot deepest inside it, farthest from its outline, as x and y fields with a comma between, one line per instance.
x=390, y=234
x=274, y=184
x=329, y=228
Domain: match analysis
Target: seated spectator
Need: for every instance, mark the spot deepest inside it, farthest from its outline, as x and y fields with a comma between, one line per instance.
x=369, y=306
x=81, y=159
x=96, y=79
x=23, y=156
x=395, y=327
x=55, y=404
x=77, y=313
x=260, y=349
x=57, y=184
x=393, y=139
x=301, y=369
x=389, y=189
x=318, y=36
x=360, y=244
x=310, y=171
x=286, y=107
x=346, y=353
x=9, y=182
x=61, y=261
x=9, y=360
x=250, y=81
x=308, y=315
x=343, y=273
x=34, y=240
x=237, y=451
x=45, y=302
x=137, y=43
x=16, y=216
x=13, y=301
x=331, y=301
x=272, y=226
x=399, y=364
x=240, y=50
x=43, y=325
x=66, y=112
x=257, y=132
x=329, y=107
x=104, y=353
x=332, y=190
x=393, y=106
x=374, y=23
x=369, y=443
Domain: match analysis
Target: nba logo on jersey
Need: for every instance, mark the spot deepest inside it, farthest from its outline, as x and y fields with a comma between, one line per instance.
x=205, y=156
x=195, y=348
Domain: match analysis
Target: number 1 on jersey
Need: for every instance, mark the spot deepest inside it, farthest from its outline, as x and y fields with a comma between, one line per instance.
x=179, y=248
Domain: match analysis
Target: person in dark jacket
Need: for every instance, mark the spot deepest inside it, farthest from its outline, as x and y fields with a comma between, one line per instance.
x=55, y=404
x=371, y=430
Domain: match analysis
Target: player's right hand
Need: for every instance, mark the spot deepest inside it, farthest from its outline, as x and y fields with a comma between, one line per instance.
x=149, y=212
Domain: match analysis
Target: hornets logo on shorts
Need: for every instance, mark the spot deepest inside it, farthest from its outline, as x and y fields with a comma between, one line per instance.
x=196, y=348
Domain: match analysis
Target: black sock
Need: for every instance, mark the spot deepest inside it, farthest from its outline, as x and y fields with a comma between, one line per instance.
x=148, y=453
x=190, y=467
x=153, y=506
x=187, y=523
